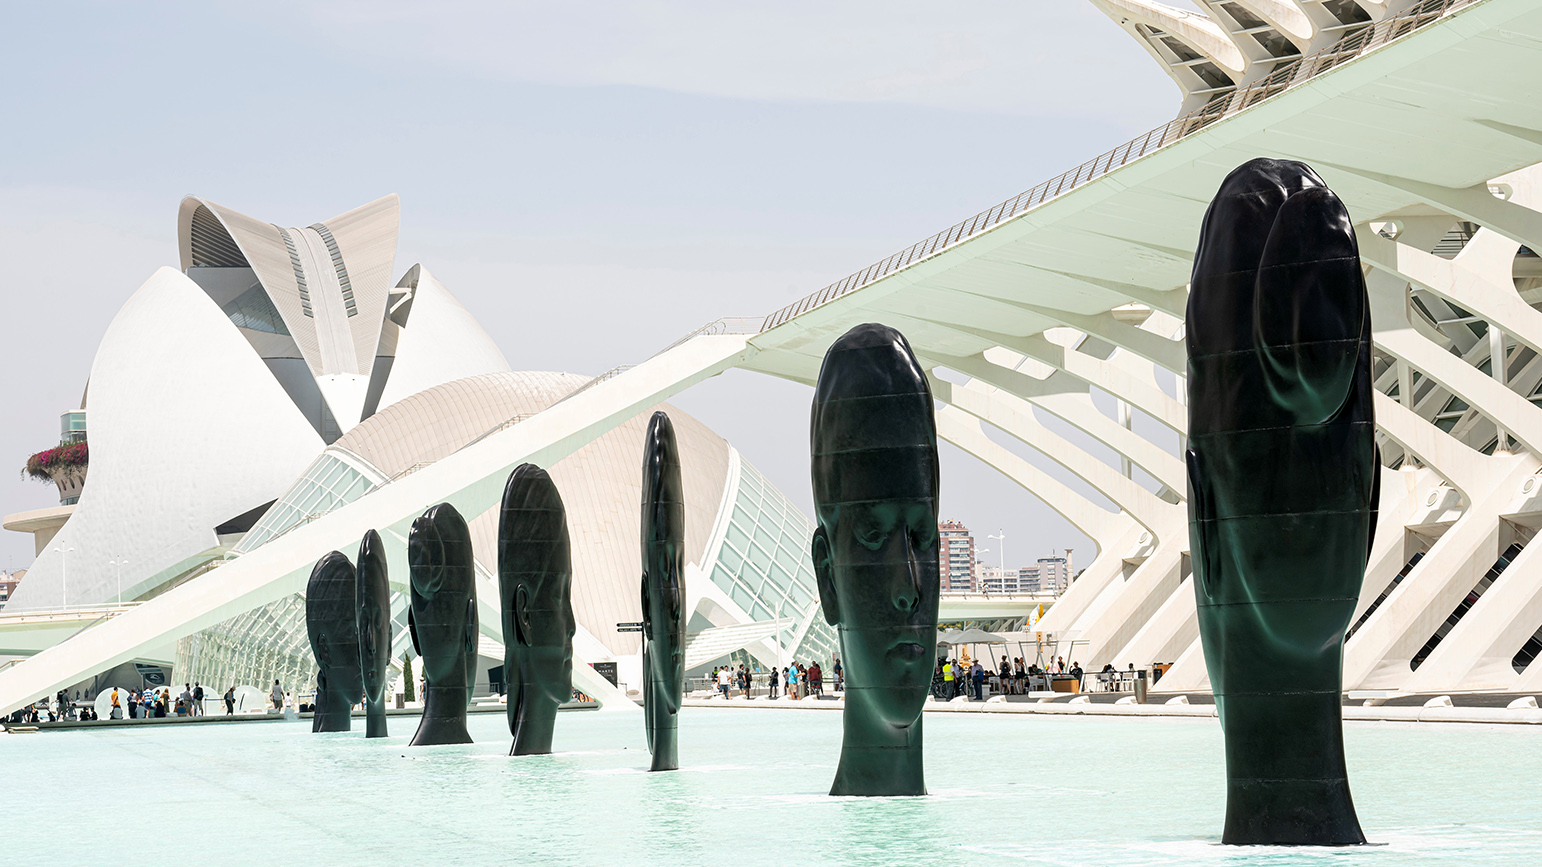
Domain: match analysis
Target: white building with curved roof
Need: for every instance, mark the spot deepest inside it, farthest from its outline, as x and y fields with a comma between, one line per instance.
x=283, y=375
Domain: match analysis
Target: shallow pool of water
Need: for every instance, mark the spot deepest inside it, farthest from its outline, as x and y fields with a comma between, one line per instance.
x=1018, y=790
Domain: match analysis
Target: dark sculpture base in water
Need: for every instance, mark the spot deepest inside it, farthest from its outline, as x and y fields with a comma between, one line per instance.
x=873, y=442
x=443, y=622
x=1283, y=484
x=373, y=589
x=663, y=591
x=330, y=619
x=535, y=572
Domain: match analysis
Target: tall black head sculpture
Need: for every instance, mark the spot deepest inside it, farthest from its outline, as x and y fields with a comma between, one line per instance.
x=535, y=577
x=873, y=443
x=663, y=591
x=443, y=622
x=1283, y=484
x=329, y=618
x=373, y=590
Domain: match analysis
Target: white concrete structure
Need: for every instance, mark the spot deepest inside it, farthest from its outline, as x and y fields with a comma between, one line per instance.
x=1426, y=125
x=282, y=377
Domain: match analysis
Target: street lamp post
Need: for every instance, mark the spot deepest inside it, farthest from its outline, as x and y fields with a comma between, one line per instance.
x=118, y=565
x=64, y=575
x=1001, y=536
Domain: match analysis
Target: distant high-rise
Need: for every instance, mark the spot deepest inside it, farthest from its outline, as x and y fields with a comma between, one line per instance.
x=956, y=556
x=1054, y=575
x=994, y=579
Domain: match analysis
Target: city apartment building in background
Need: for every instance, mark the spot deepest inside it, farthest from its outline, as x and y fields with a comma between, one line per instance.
x=956, y=556
x=994, y=579
x=1049, y=575
x=8, y=582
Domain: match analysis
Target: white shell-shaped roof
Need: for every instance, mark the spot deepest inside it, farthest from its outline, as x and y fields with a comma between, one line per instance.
x=188, y=430
x=601, y=483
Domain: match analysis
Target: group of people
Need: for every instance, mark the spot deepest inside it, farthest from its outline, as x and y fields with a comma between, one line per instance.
x=157, y=703
x=794, y=679
x=951, y=679
x=153, y=702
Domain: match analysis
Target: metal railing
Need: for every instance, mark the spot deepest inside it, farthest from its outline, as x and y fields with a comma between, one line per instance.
x=1223, y=105
x=609, y=374
x=70, y=612
x=725, y=325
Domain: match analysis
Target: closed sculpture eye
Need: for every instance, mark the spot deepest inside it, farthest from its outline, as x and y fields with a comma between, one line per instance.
x=871, y=533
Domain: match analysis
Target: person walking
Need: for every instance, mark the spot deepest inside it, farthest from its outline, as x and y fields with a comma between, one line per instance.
x=792, y=680
x=117, y=706
x=197, y=699
x=723, y=682
x=230, y=701
x=276, y=695
x=774, y=675
x=840, y=684
x=977, y=674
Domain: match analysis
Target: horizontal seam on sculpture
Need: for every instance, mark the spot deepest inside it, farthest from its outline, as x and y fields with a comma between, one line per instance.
x=1282, y=601
x=1248, y=430
x=1279, y=515
x=1253, y=350
x=1281, y=265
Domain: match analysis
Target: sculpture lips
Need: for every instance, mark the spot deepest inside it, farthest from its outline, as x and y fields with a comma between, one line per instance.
x=908, y=651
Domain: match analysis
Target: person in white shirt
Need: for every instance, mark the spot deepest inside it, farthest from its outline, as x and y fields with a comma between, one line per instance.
x=724, y=681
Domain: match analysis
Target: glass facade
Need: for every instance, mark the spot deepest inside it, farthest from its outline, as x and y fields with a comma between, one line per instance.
x=271, y=642
x=763, y=565
x=331, y=481
x=765, y=568
x=72, y=426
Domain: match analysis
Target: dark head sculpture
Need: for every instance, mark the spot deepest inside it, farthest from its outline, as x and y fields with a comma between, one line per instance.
x=373, y=590
x=443, y=622
x=329, y=618
x=1283, y=482
x=535, y=577
x=873, y=444
x=663, y=591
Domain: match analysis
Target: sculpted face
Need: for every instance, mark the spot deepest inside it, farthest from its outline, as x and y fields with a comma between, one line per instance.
x=663, y=588
x=875, y=487
x=443, y=620
x=330, y=612
x=374, y=616
x=535, y=574
x=1279, y=349
x=663, y=553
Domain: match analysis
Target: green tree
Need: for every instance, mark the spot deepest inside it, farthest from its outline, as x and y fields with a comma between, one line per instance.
x=407, y=677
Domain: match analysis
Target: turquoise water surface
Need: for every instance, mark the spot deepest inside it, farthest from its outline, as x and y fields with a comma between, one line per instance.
x=1005, y=790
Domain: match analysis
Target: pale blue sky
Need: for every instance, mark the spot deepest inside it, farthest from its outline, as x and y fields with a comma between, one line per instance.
x=591, y=180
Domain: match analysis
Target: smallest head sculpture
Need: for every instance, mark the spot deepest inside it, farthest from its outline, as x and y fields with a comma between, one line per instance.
x=373, y=590
x=443, y=622
x=873, y=444
x=535, y=577
x=663, y=591
x=334, y=633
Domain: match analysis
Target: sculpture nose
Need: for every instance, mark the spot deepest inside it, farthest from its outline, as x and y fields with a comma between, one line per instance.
x=907, y=593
